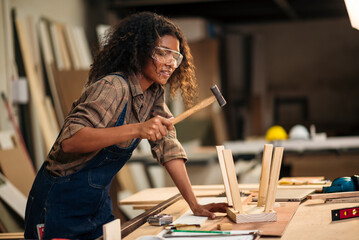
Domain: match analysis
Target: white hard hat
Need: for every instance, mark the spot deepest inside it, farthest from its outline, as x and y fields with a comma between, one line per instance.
x=299, y=132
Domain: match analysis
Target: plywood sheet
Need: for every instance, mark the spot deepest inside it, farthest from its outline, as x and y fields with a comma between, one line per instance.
x=65, y=78
x=22, y=177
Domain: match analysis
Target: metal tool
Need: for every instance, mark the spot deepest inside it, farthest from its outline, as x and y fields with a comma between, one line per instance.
x=160, y=219
x=205, y=103
x=345, y=213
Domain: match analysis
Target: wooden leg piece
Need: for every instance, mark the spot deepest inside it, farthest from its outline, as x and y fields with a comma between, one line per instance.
x=232, y=180
x=224, y=174
x=274, y=176
x=257, y=213
x=264, y=180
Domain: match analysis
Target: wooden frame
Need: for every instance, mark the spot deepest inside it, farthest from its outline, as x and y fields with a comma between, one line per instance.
x=263, y=211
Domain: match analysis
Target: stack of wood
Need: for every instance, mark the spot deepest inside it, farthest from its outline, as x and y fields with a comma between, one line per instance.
x=56, y=59
x=66, y=58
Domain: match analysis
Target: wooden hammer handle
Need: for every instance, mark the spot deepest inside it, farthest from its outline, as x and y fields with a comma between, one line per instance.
x=206, y=102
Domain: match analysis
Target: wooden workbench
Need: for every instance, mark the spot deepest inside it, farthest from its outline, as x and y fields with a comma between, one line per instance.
x=312, y=220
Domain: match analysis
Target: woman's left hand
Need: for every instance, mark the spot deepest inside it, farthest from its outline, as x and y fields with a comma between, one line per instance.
x=209, y=209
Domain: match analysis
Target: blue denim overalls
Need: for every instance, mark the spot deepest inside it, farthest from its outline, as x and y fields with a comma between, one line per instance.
x=77, y=205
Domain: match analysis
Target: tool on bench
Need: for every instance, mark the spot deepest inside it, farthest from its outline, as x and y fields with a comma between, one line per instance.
x=345, y=213
x=160, y=219
x=205, y=103
x=343, y=184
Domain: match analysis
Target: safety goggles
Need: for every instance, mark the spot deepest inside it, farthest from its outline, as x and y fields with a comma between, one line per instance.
x=167, y=56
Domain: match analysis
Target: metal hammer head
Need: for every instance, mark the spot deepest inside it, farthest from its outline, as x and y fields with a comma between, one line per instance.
x=218, y=95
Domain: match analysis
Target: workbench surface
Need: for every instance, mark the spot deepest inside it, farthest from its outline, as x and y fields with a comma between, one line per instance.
x=312, y=220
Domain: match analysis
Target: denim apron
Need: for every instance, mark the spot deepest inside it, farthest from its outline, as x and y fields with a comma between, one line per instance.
x=77, y=205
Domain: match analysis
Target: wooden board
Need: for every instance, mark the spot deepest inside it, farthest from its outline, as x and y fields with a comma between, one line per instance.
x=21, y=177
x=49, y=62
x=284, y=212
x=302, y=181
x=264, y=179
x=17, y=235
x=224, y=174
x=65, y=78
x=112, y=230
x=37, y=97
x=158, y=195
x=252, y=213
x=232, y=180
x=334, y=195
x=273, y=179
x=12, y=196
x=313, y=221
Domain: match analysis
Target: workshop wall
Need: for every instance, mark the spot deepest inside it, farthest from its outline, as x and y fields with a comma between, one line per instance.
x=299, y=63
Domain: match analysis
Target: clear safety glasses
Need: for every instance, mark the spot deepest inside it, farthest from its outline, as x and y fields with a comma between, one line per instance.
x=167, y=56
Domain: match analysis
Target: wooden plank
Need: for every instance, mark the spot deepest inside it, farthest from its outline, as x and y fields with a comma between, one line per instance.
x=232, y=180
x=319, y=180
x=64, y=51
x=65, y=78
x=112, y=230
x=342, y=200
x=251, y=214
x=313, y=221
x=224, y=174
x=17, y=235
x=36, y=96
x=274, y=177
x=49, y=63
x=157, y=195
x=143, y=206
x=21, y=177
x=136, y=222
x=82, y=46
x=284, y=211
x=60, y=63
x=333, y=195
x=73, y=51
x=175, y=209
x=12, y=196
x=264, y=179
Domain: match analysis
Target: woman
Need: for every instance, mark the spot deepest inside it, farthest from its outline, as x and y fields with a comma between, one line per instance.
x=123, y=103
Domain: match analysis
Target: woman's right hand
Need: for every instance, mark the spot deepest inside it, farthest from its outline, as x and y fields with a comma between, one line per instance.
x=155, y=128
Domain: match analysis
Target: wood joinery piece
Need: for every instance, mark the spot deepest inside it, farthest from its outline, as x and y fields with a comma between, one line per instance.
x=265, y=172
x=224, y=174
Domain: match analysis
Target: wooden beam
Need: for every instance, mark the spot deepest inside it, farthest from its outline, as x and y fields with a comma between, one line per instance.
x=333, y=195
x=224, y=174
x=274, y=177
x=232, y=180
x=136, y=222
x=112, y=230
x=264, y=179
x=37, y=97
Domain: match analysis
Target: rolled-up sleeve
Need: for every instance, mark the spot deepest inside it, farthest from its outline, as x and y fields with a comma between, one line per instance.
x=97, y=108
x=168, y=148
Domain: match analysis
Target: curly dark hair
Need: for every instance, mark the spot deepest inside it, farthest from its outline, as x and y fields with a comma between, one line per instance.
x=130, y=43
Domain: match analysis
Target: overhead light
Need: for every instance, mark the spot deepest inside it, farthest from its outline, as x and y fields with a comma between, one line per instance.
x=353, y=12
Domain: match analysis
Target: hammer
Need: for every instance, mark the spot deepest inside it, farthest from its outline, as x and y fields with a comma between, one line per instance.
x=205, y=103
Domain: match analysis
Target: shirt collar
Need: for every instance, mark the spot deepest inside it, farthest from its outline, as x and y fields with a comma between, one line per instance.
x=135, y=86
